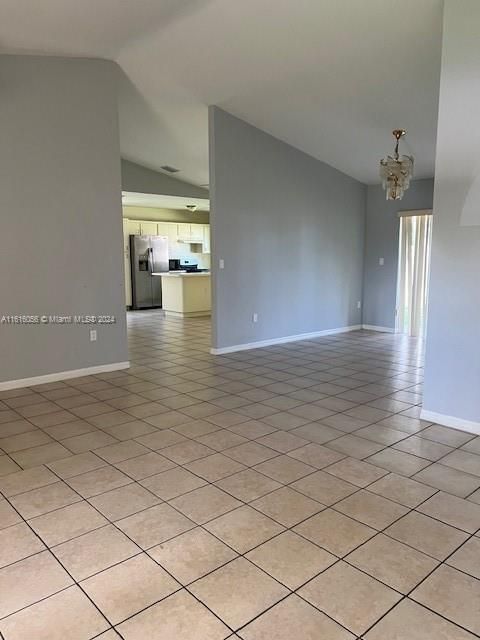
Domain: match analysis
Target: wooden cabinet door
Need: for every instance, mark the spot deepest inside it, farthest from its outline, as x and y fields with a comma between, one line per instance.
x=206, y=238
x=148, y=228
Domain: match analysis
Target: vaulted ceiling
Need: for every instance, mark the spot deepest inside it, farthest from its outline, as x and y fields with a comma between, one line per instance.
x=331, y=77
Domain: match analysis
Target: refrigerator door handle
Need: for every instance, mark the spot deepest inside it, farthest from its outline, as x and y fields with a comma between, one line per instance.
x=150, y=260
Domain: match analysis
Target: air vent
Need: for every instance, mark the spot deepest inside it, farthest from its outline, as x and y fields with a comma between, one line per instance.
x=169, y=169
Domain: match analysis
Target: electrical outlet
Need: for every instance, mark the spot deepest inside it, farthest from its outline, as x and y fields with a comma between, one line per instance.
x=221, y=263
x=93, y=335
x=381, y=261
x=255, y=317
x=359, y=304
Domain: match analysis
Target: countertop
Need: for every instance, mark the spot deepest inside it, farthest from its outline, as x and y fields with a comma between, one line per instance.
x=181, y=274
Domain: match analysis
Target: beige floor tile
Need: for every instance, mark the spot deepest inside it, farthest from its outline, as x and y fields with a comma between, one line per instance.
x=472, y=445
x=374, y=511
x=324, y=488
x=248, y=485
x=356, y=472
x=124, y=501
x=427, y=534
x=18, y=542
x=161, y=439
x=238, y=592
x=7, y=465
x=286, y=506
x=467, y=558
x=19, y=590
x=24, y=441
x=400, y=489
x=317, y=432
x=410, y=621
x=52, y=419
x=335, y=532
x=354, y=446
x=28, y=458
x=187, y=451
x=121, y=451
x=243, y=528
x=221, y=439
x=316, y=455
x=22, y=481
x=130, y=430
x=196, y=428
x=453, y=595
x=94, y=551
x=8, y=515
x=285, y=421
x=88, y=441
x=444, y=435
x=177, y=617
x=69, y=429
x=350, y=597
x=214, y=467
x=172, y=483
x=143, y=409
x=38, y=501
x=342, y=421
x=66, y=614
x=392, y=562
x=252, y=429
x=381, y=434
x=399, y=462
x=290, y=559
x=448, y=479
x=109, y=419
x=475, y=496
x=77, y=464
x=205, y=503
x=286, y=618
x=452, y=510
x=463, y=461
x=168, y=419
x=250, y=453
x=282, y=441
x=98, y=481
x=146, y=465
x=423, y=448
x=192, y=555
x=66, y=523
x=284, y=469
x=129, y=587
x=154, y=525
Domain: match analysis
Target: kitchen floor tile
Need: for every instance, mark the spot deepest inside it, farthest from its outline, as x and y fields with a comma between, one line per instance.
x=452, y=510
x=248, y=485
x=128, y=587
x=238, y=592
x=400, y=489
x=447, y=479
x=284, y=469
x=286, y=506
x=154, y=525
x=192, y=555
x=172, y=483
x=124, y=501
x=467, y=558
x=374, y=511
x=356, y=472
x=18, y=542
x=66, y=523
x=39, y=501
x=324, y=488
x=350, y=597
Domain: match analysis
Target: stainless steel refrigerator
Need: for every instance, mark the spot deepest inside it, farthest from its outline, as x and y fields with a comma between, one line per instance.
x=148, y=256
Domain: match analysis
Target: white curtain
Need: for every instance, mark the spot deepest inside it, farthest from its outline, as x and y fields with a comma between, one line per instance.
x=414, y=267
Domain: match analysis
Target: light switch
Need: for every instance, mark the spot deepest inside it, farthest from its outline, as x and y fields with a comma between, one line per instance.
x=381, y=261
x=221, y=263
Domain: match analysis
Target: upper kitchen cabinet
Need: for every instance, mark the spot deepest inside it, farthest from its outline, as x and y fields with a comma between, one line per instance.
x=206, y=238
x=133, y=227
x=148, y=228
x=190, y=233
x=169, y=230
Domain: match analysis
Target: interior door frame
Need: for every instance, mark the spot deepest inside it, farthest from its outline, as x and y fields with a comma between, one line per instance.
x=404, y=214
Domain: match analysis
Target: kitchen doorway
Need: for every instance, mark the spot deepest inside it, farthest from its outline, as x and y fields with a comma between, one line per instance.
x=415, y=241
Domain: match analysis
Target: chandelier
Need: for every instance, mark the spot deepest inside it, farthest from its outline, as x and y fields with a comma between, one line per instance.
x=396, y=172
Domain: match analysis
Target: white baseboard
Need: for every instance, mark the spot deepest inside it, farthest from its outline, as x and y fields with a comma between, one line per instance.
x=451, y=421
x=295, y=338
x=374, y=327
x=62, y=375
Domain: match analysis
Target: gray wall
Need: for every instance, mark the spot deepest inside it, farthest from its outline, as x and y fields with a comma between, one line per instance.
x=381, y=241
x=61, y=215
x=291, y=232
x=452, y=370
x=142, y=180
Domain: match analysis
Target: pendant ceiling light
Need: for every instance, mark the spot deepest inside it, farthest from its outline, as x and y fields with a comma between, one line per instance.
x=397, y=171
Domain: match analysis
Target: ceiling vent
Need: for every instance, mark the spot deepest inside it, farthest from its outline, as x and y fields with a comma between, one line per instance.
x=169, y=169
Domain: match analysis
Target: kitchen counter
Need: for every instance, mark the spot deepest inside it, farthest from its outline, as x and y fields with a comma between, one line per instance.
x=186, y=294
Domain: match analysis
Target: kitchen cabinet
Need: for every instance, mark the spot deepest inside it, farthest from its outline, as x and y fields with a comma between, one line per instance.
x=133, y=227
x=169, y=230
x=148, y=228
x=191, y=233
x=206, y=238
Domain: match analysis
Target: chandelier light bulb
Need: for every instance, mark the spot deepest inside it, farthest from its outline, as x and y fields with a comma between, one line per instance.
x=396, y=171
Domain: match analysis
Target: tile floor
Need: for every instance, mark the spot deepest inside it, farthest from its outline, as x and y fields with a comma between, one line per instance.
x=285, y=492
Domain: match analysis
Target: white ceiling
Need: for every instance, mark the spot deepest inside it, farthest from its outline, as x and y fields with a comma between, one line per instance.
x=132, y=199
x=331, y=77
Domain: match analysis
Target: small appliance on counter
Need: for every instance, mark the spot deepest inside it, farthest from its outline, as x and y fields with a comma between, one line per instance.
x=190, y=267
x=174, y=264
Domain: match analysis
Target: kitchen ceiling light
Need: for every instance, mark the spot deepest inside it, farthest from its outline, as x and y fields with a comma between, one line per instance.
x=397, y=171
x=191, y=207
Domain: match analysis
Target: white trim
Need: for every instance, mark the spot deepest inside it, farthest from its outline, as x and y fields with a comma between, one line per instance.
x=451, y=421
x=269, y=343
x=414, y=212
x=374, y=327
x=62, y=375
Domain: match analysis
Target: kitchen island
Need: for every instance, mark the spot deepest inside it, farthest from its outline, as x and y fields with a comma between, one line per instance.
x=186, y=294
